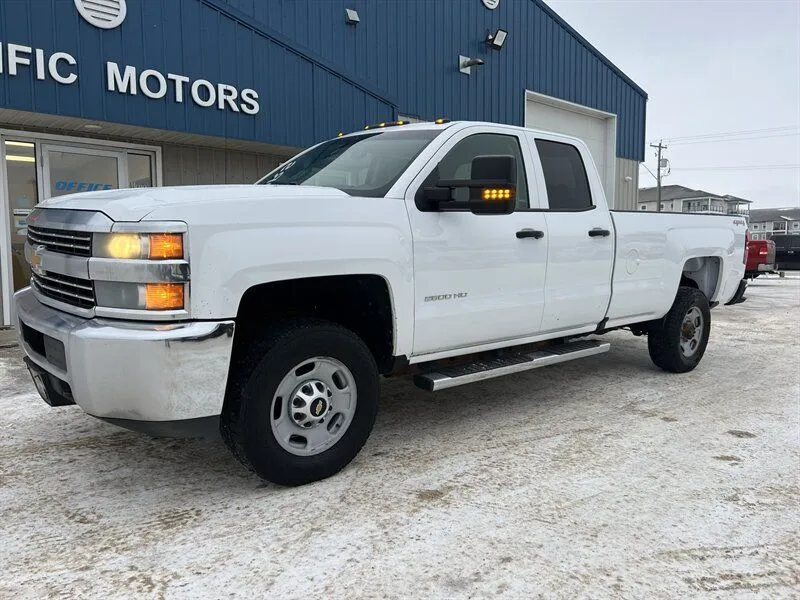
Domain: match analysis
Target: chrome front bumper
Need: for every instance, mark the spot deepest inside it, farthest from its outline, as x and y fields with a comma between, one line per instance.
x=130, y=371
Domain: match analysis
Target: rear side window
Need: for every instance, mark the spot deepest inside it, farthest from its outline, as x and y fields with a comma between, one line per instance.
x=564, y=176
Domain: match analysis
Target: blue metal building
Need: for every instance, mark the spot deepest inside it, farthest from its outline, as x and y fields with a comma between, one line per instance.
x=118, y=93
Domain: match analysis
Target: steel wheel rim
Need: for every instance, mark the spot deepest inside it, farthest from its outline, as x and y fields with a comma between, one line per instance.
x=313, y=406
x=691, y=332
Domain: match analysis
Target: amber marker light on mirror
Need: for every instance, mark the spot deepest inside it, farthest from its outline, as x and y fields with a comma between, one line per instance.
x=497, y=194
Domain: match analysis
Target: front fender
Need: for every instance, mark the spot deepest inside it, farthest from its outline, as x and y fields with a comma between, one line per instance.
x=345, y=236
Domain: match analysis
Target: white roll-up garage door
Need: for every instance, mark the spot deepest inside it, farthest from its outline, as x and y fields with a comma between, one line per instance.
x=596, y=128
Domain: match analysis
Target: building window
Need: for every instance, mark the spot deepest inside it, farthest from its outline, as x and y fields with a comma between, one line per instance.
x=779, y=226
x=755, y=226
x=643, y=207
x=795, y=225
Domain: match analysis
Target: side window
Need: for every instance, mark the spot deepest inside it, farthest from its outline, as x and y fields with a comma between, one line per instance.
x=457, y=163
x=564, y=176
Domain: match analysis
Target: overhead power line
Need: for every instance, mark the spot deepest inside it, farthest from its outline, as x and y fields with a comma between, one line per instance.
x=739, y=168
x=735, y=133
x=735, y=139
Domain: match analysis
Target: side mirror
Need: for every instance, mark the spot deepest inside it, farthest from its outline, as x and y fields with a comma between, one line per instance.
x=496, y=193
x=492, y=188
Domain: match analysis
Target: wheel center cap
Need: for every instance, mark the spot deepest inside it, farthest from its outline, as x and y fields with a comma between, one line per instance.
x=309, y=403
x=318, y=407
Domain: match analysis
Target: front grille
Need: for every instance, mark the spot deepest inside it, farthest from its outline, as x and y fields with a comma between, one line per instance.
x=77, y=243
x=70, y=290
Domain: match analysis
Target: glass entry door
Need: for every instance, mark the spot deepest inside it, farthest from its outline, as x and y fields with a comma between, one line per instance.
x=22, y=183
x=68, y=170
x=35, y=167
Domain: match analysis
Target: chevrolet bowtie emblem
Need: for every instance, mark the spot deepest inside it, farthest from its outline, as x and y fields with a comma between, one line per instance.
x=36, y=260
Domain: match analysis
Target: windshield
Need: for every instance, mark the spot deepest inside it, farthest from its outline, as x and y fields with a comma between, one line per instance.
x=362, y=165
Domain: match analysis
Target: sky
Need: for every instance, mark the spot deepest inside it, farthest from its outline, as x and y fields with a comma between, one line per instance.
x=710, y=67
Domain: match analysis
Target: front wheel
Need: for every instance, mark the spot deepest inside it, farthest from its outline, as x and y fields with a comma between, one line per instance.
x=302, y=402
x=677, y=342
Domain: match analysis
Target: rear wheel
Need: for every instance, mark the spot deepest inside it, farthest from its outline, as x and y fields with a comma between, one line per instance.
x=303, y=402
x=679, y=340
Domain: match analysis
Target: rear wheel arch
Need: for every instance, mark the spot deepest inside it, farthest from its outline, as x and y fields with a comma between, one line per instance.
x=702, y=273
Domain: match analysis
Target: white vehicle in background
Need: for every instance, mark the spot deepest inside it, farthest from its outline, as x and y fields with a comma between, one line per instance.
x=455, y=252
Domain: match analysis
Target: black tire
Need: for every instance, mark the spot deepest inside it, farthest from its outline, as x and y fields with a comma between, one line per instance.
x=664, y=338
x=245, y=424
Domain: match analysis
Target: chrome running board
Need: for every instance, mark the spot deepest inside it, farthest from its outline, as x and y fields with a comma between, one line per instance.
x=447, y=377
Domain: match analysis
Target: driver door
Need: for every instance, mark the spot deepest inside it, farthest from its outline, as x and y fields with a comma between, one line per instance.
x=476, y=281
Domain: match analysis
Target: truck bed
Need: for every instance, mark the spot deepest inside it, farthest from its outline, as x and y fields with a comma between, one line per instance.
x=651, y=254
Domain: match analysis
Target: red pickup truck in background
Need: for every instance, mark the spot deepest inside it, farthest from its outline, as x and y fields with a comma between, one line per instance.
x=760, y=258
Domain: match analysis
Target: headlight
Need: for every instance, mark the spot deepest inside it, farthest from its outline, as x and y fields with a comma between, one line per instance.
x=140, y=296
x=142, y=271
x=148, y=246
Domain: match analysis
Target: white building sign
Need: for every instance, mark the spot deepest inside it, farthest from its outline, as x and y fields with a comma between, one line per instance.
x=62, y=68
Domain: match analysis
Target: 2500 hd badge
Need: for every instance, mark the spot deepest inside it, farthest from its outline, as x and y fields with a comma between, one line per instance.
x=455, y=296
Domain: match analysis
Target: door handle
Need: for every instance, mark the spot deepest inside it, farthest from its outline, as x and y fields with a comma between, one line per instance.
x=597, y=232
x=530, y=233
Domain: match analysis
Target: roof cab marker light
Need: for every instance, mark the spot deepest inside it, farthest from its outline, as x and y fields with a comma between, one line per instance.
x=387, y=124
x=384, y=124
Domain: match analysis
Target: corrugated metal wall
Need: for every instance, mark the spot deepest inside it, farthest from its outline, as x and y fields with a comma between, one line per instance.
x=315, y=74
x=301, y=101
x=408, y=50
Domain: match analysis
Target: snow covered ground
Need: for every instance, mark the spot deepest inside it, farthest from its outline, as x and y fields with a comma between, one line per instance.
x=600, y=478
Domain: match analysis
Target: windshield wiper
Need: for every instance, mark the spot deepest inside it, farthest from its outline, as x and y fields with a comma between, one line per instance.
x=273, y=182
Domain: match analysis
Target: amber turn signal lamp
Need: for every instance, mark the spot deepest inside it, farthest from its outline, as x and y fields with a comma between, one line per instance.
x=164, y=296
x=497, y=194
x=166, y=245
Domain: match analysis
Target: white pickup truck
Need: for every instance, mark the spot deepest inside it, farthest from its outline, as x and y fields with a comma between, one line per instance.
x=451, y=251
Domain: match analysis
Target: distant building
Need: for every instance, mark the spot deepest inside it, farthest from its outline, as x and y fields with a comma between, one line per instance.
x=766, y=222
x=676, y=198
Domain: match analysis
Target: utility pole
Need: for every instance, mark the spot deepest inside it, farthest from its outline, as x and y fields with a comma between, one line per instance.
x=660, y=147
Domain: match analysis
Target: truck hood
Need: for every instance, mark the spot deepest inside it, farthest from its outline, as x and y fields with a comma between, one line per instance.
x=136, y=204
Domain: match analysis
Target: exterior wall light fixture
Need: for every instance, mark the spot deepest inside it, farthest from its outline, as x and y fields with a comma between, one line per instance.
x=496, y=41
x=351, y=16
x=465, y=64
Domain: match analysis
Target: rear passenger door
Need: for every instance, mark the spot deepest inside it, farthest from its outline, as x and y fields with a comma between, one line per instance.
x=581, y=237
